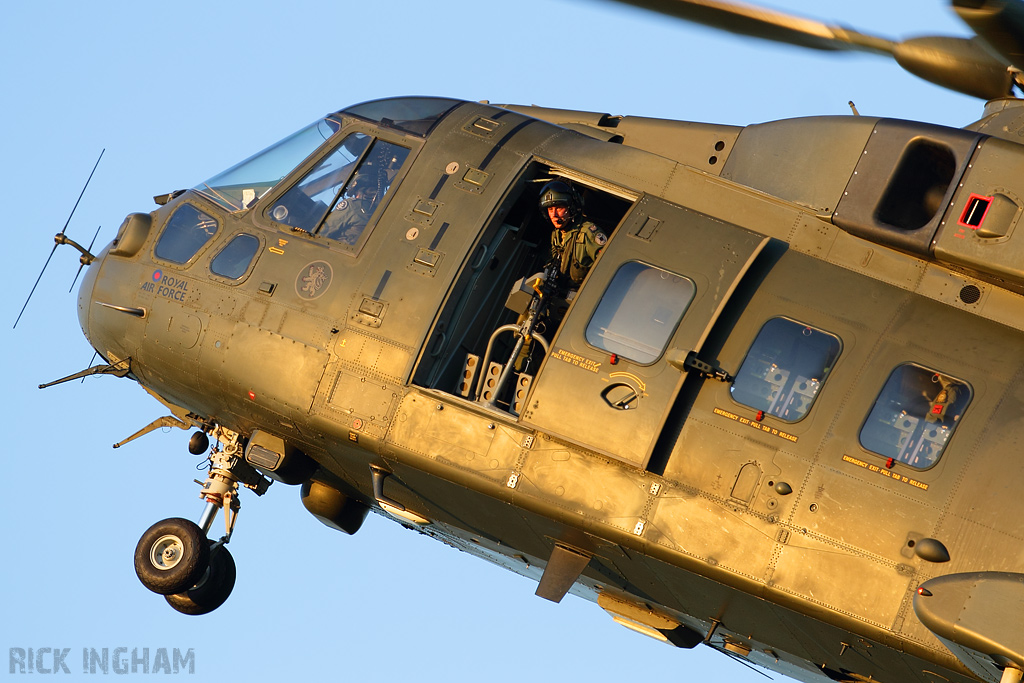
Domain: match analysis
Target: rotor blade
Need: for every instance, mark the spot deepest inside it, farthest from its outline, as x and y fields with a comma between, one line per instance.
x=965, y=65
x=1000, y=24
x=758, y=22
x=82, y=263
x=960, y=64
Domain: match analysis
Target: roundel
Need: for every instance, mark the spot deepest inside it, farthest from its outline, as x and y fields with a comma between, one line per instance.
x=313, y=280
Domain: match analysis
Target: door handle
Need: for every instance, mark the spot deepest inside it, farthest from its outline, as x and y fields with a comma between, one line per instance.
x=621, y=396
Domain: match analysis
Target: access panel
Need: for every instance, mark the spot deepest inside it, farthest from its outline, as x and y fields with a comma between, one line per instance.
x=616, y=363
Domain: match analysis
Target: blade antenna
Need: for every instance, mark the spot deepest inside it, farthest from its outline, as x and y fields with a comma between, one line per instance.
x=58, y=239
x=94, y=354
x=81, y=262
x=741, y=660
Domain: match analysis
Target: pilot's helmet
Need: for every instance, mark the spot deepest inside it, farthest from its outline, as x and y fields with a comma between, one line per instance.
x=362, y=182
x=558, y=193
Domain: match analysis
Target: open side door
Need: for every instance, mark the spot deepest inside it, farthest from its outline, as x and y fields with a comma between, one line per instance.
x=617, y=362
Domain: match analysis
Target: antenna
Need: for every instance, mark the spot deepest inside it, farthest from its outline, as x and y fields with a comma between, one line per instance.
x=59, y=239
x=85, y=259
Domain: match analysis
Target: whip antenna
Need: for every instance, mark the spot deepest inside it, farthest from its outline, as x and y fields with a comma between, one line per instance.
x=86, y=258
x=59, y=239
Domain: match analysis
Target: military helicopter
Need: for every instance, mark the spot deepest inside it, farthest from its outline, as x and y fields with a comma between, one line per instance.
x=369, y=406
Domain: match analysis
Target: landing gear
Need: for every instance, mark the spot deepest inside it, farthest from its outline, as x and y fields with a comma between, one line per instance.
x=175, y=558
x=171, y=556
x=212, y=589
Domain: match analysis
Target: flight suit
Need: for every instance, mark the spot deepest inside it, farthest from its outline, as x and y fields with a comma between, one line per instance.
x=348, y=219
x=576, y=248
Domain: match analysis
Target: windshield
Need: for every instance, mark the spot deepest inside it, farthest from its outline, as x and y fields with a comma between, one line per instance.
x=416, y=115
x=241, y=185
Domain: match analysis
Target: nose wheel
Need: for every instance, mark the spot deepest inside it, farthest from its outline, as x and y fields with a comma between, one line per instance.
x=174, y=557
x=193, y=573
x=171, y=556
x=212, y=588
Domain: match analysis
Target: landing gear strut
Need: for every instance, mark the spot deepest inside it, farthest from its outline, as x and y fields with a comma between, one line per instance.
x=174, y=558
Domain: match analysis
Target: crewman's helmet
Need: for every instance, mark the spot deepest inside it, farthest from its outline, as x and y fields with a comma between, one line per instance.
x=558, y=193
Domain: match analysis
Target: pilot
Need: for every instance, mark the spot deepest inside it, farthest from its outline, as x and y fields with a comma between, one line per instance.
x=350, y=215
x=575, y=242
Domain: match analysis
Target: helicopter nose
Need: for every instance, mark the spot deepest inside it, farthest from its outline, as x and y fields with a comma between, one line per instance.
x=85, y=296
x=106, y=300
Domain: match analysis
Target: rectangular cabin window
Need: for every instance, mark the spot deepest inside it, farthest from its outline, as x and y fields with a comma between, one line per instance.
x=785, y=368
x=639, y=311
x=233, y=261
x=915, y=415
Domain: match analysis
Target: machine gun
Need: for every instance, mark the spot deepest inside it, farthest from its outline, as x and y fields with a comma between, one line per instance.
x=533, y=297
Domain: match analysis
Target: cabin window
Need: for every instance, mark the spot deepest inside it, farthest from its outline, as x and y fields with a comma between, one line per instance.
x=639, y=312
x=785, y=368
x=188, y=231
x=915, y=415
x=235, y=258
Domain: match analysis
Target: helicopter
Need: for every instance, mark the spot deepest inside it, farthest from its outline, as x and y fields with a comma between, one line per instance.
x=611, y=200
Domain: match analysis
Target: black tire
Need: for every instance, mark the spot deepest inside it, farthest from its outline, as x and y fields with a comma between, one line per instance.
x=171, y=556
x=212, y=589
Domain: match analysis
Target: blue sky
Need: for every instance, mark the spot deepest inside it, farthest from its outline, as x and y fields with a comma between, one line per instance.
x=176, y=93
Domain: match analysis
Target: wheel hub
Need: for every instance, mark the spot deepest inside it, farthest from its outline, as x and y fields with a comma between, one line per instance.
x=166, y=552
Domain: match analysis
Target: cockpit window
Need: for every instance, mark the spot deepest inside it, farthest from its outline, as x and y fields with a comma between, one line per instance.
x=785, y=368
x=305, y=204
x=416, y=115
x=364, y=193
x=639, y=312
x=234, y=259
x=188, y=231
x=240, y=186
x=339, y=196
x=915, y=415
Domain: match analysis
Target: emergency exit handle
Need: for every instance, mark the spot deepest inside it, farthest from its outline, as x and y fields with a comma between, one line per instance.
x=621, y=396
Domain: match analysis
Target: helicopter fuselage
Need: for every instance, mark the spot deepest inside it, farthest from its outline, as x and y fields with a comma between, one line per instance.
x=785, y=398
